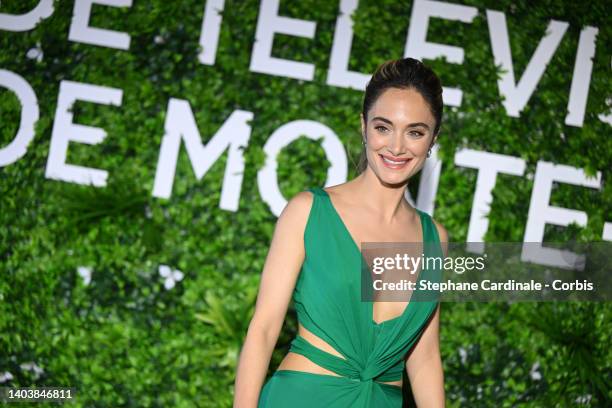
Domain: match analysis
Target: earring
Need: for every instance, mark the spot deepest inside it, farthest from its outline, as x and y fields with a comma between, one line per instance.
x=429, y=152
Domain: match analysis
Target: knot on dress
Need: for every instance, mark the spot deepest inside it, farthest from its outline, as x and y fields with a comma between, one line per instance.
x=367, y=374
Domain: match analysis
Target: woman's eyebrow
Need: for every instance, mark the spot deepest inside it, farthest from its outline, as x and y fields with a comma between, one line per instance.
x=416, y=124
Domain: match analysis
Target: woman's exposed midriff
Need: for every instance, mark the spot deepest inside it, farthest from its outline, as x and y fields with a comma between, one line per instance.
x=298, y=362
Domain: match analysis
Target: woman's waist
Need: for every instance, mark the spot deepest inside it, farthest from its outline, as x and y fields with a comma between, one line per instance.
x=312, y=350
x=293, y=362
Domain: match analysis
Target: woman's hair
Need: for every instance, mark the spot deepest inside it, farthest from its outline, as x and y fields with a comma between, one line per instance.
x=405, y=73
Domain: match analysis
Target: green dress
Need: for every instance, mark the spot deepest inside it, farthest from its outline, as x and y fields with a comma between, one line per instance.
x=328, y=303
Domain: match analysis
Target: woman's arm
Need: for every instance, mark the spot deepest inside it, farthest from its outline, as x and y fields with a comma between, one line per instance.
x=280, y=272
x=424, y=365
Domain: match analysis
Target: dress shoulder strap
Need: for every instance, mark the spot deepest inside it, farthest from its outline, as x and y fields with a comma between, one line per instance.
x=430, y=232
x=317, y=224
x=317, y=191
x=315, y=210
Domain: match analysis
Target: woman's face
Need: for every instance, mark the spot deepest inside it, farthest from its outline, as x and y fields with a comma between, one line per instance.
x=398, y=134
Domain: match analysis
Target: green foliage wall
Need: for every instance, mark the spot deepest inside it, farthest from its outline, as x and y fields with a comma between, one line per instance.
x=124, y=340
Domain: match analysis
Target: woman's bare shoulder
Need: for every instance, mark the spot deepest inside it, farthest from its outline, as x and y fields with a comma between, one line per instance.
x=298, y=207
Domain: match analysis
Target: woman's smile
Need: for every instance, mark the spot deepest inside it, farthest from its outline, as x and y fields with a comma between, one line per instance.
x=394, y=163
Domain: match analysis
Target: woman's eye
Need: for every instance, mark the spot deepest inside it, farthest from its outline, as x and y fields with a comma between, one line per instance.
x=380, y=127
x=416, y=134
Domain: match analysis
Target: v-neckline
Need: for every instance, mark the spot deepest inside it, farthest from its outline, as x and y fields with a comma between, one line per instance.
x=357, y=248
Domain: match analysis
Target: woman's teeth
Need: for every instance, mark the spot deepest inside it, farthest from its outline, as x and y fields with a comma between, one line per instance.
x=395, y=164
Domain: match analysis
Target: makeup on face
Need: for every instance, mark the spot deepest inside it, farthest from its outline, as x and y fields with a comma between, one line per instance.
x=399, y=132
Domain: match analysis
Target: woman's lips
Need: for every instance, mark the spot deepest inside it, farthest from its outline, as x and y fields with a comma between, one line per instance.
x=395, y=164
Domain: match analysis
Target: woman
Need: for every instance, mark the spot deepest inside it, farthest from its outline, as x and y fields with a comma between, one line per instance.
x=350, y=353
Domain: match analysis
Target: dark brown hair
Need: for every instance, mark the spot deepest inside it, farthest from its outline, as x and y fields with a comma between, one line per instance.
x=405, y=73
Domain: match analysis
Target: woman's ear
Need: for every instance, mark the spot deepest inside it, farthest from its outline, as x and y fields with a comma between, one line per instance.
x=435, y=139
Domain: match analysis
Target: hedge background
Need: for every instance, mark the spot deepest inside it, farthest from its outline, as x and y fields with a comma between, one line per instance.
x=124, y=340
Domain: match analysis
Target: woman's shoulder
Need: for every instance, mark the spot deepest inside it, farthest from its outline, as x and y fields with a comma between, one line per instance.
x=298, y=207
x=301, y=201
x=442, y=233
x=291, y=222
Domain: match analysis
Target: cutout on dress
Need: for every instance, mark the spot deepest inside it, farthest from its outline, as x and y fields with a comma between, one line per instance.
x=329, y=350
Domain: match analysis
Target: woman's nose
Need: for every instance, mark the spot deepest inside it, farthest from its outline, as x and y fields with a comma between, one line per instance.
x=396, y=144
